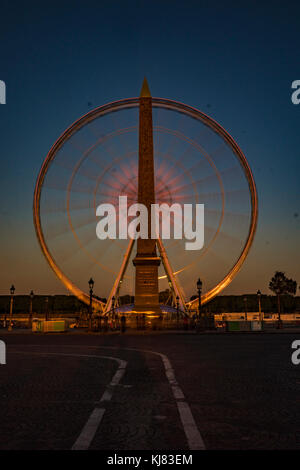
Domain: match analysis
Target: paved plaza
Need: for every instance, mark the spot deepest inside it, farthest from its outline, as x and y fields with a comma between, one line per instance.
x=92, y=391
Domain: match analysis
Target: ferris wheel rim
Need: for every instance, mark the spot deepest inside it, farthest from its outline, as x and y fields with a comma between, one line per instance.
x=130, y=103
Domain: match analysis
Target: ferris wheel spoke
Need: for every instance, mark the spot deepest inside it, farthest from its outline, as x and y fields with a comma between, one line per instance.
x=118, y=181
x=78, y=145
x=164, y=156
x=68, y=253
x=111, y=183
x=221, y=261
x=172, y=143
x=208, y=243
x=97, y=157
x=117, y=125
x=189, y=197
x=97, y=154
x=115, y=199
x=63, y=187
x=167, y=173
x=209, y=196
x=114, y=193
x=156, y=143
x=128, y=179
x=112, y=153
x=229, y=238
x=59, y=231
x=81, y=171
x=237, y=217
x=163, y=175
x=190, y=148
x=206, y=180
x=172, y=176
x=105, y=141
x=48, y=208
x=223, y=234
x=177, y=179
x=89, y=261
x=190, y=171
x=61, y=207
x=77, y=187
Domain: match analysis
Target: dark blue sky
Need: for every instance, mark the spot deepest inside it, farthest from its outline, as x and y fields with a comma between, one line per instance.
x=234, y=62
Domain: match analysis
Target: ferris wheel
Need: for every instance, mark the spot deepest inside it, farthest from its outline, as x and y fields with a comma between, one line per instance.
x=96, y=160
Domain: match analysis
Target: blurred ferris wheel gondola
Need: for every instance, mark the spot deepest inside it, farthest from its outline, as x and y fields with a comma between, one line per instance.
x=96, y=160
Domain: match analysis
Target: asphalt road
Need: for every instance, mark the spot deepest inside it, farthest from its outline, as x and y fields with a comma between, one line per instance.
x=240, y=391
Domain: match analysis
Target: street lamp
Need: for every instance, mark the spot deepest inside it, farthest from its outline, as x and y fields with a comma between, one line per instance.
x=113, y=305
x=246, y=312
x=259, y=304
x=91, y=285
x=199, y=288
x=177, y=309
x=279, y=322
x=12, y=291
x=47, y=308
x=113, y=300
x=31, y=295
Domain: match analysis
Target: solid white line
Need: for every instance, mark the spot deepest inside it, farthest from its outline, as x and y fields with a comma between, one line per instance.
x=191, y=431
x=90, y=428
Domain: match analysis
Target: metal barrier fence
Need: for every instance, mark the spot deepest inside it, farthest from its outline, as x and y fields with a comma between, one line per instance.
x=163, y=323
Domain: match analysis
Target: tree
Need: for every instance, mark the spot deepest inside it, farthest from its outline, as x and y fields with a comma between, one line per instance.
x=281, y=285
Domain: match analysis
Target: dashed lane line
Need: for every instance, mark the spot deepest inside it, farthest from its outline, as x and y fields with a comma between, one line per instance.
x=89, y=430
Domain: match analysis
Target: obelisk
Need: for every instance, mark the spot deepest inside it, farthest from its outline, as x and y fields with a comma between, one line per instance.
x=146, y=261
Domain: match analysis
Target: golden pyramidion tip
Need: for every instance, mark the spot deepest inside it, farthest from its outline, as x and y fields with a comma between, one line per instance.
x=145, y=91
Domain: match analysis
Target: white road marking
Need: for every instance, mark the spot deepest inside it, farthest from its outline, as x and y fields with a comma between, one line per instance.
x=89, y=430
x=88, y=433
x=194, y=438
x=191, y=431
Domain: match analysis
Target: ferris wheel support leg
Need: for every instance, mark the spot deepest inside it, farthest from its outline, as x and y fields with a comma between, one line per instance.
x=171, y=278
x=117, y=284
